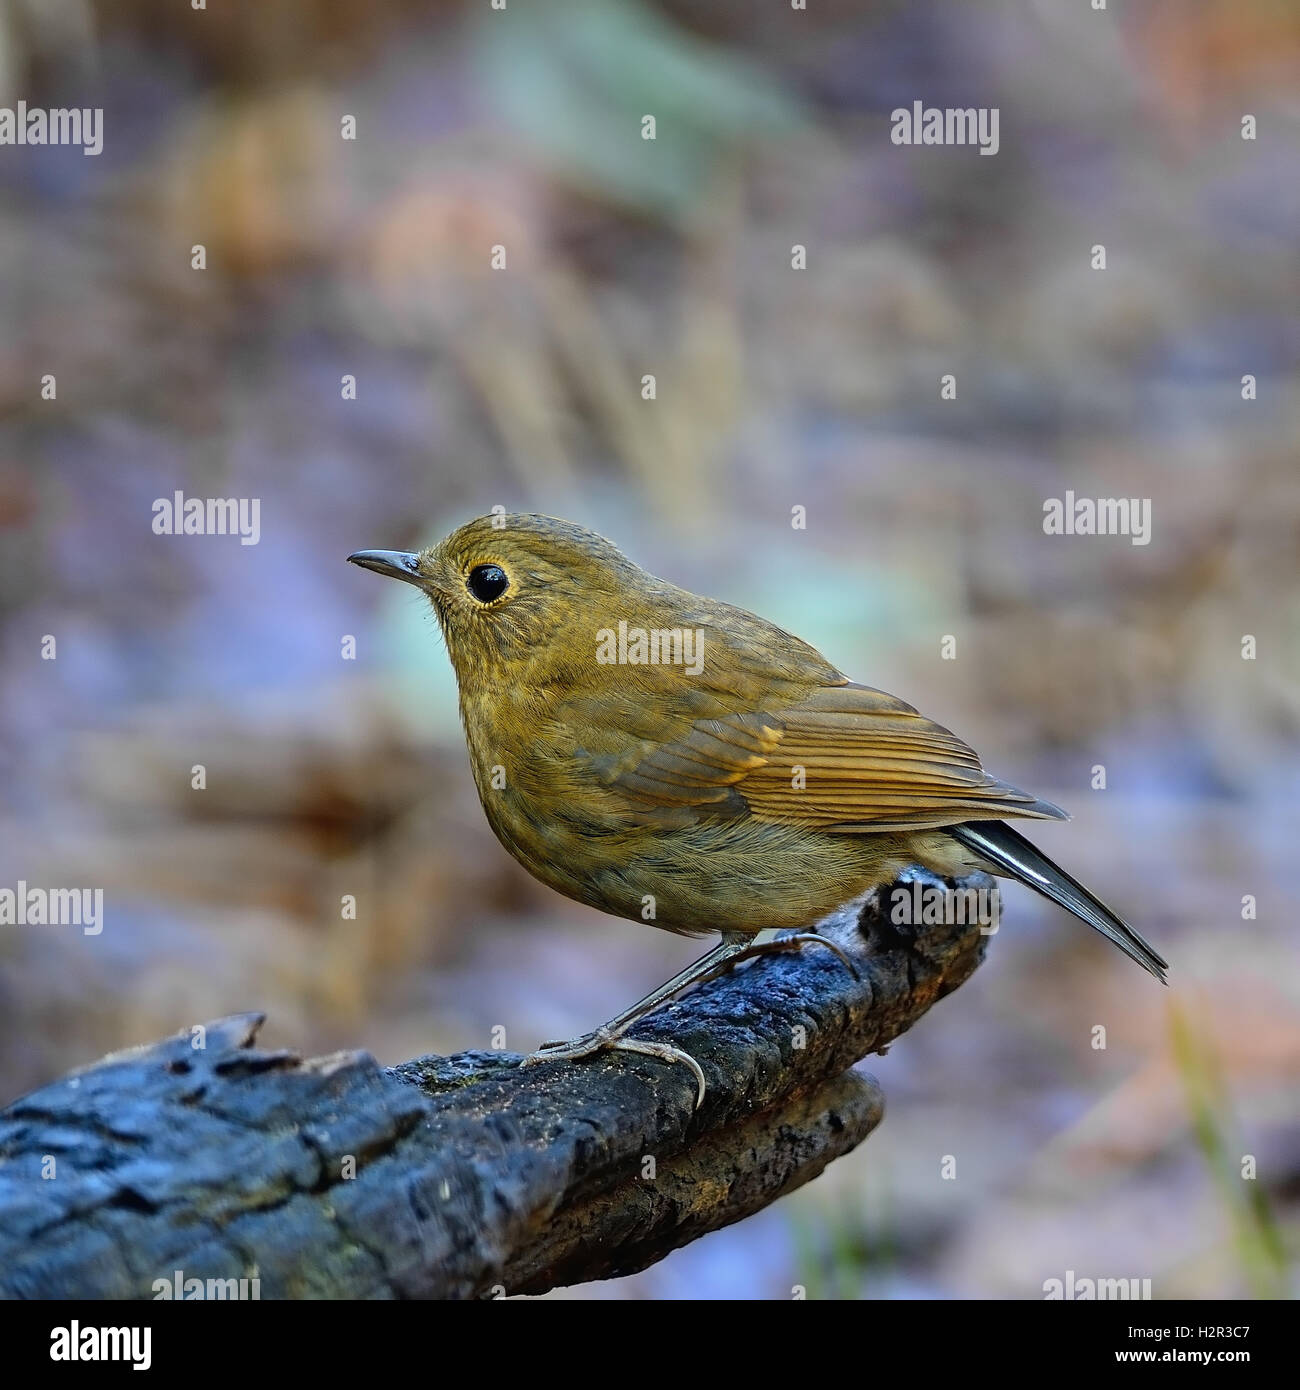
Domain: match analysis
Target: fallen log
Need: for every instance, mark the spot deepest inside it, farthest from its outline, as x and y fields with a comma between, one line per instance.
x=165, y=1167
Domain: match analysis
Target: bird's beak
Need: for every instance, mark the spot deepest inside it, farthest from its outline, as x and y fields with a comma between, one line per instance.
x=396, y=564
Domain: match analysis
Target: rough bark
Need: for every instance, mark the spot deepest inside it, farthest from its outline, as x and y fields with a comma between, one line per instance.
x=462, y=1176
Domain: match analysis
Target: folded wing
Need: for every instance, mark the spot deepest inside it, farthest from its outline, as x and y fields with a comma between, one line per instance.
x=844, y=758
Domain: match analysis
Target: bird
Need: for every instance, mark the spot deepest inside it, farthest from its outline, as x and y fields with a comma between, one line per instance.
x=672, y=758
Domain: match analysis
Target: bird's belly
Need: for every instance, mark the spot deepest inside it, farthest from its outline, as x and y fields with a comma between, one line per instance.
x=713, y=875
x=753, y=876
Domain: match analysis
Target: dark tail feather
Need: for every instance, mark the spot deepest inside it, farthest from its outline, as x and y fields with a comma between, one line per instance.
x=1010, y=851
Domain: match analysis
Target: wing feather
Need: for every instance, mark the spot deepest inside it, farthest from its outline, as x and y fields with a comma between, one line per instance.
x=844, y=758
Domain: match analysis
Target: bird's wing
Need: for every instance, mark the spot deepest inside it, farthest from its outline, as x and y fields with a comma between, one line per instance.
x=844, y=758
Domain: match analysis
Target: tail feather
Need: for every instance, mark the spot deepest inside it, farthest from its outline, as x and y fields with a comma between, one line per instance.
x=1014, y=855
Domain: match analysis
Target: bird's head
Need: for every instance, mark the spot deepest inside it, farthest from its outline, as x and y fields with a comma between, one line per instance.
x=519, y=594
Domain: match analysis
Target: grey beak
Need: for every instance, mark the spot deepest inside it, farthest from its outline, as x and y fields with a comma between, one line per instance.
x=396, y=564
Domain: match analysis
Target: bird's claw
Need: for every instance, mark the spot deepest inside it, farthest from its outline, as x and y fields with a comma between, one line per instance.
x=666, y=1052
x=569, y=1049
x=611, y=1035
x=602, y=1038
x=796, y=940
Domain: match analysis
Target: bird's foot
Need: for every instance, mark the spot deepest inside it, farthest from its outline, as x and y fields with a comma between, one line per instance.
x=797, y=941
x=591, y=1043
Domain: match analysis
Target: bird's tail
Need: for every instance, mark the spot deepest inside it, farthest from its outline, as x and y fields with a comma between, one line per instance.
x=1015, y=856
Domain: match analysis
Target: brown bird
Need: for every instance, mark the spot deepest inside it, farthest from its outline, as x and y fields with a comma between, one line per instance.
x=672, y=758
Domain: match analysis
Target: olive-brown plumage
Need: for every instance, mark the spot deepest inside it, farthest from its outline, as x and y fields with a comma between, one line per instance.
x=746, y=785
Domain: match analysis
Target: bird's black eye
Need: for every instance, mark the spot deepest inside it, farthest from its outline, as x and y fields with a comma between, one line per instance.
x=487, y=582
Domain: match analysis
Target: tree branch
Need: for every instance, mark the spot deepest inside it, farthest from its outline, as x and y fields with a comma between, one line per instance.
x=463, y=1176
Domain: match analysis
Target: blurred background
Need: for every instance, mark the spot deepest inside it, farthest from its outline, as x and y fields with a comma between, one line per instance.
x=776, y=388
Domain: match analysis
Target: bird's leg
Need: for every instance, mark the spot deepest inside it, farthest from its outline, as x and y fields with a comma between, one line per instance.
x=731, y=950
x=795, y=942
x=611, y=1034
